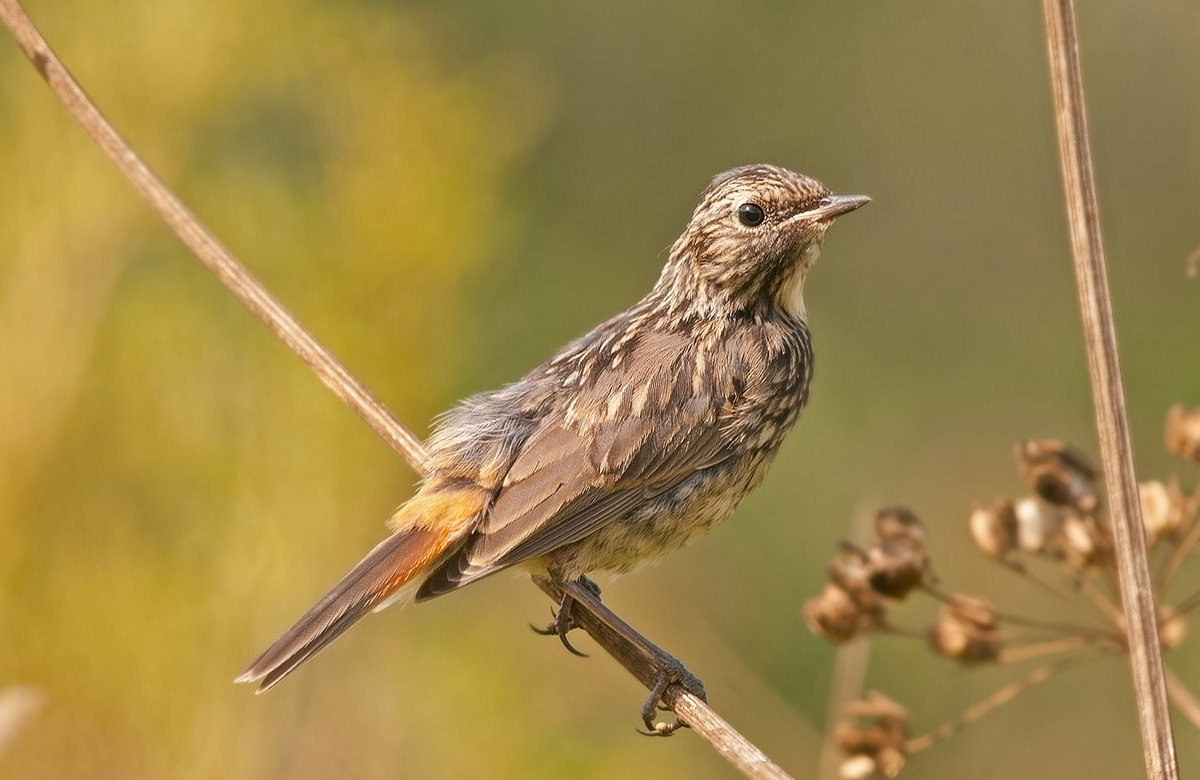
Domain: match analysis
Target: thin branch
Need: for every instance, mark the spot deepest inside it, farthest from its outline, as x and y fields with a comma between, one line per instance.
x=1137, y=591
x=1188, y=604
x=1013, y=655
x=1178, y=556
x=637, y=657
x=1027, y=622
x=1087, y=609
x=596, y=620
x=1183, y=698
x=994, y=701
x=1110, y=608
x=849, y=669
x=849, y=672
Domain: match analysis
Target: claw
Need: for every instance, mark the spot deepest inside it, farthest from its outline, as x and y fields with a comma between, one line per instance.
x=561, y=625
x=672, y=673
x=651, y=707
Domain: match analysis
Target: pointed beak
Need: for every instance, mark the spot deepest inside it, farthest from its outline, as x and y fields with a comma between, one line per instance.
x=835, y=206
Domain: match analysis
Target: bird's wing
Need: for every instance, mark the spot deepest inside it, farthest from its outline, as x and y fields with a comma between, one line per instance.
x=622, y=445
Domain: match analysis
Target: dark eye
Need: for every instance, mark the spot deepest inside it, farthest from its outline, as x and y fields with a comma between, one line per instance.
x=751, y=214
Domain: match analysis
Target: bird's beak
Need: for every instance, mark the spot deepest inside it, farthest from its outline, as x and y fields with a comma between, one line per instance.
x=835, y=206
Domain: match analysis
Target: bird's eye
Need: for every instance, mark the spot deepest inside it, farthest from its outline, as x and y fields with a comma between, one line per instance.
x=751, y=214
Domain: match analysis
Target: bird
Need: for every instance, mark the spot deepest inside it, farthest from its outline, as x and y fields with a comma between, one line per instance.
x=630, y=441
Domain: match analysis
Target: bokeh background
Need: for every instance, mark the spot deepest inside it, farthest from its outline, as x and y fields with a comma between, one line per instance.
x=445, y=193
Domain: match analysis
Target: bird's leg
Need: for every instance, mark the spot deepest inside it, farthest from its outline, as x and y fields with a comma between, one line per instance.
x=563, y=621
x=656, y=668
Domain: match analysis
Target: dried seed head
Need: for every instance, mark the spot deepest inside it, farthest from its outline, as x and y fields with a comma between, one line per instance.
x=899, y=523
x=1172, y=627
x=1038, y=525
x=857, y=767
x=994, y=529
x=1183, y=431
x=1058, y=473
x=874, y=737
x=966, y=630
x=1163, y=509
x=899, y=562
x=852, y=571
x=836, y=616
x=897, y=569
x=1082, y=543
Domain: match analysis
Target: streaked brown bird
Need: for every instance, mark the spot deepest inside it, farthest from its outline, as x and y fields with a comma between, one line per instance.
x=629, y=442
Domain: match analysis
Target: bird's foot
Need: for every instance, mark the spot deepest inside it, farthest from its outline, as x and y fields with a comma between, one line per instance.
x=665, y=669
x=670, y=672
x=564, y=621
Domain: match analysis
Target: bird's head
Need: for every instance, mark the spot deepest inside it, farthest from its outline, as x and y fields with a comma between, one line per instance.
x=752, y=238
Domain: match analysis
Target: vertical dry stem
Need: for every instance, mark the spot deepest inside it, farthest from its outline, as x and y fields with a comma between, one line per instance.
x=1137, y=592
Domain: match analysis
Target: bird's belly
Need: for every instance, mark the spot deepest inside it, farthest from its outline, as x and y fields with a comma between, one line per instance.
x=665, y=523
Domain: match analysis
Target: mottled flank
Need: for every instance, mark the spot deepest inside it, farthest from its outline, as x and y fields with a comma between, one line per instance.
x=633, y=439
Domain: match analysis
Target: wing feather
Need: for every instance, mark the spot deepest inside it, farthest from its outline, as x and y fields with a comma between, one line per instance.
x=572, y=478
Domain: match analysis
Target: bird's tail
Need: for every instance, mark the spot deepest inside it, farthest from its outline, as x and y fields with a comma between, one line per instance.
x=427, y=527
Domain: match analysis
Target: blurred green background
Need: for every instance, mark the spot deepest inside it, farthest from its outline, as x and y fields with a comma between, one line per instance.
x=445, y=193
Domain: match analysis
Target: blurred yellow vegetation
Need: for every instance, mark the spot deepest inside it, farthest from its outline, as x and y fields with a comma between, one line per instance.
x=336, y=154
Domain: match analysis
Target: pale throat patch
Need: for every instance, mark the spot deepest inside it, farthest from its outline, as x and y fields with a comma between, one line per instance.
x=791, y=296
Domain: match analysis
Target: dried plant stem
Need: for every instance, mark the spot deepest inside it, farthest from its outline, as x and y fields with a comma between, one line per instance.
x=1183, y=698
x=1110, y=610
x=1023, y=621
x=907, y=632
x=1087, y=609
x=1137, y=592
x=1012, y=655
x=995, y=700
x=1188, y=604
x=1178, y=556
x=849, y=672
x=1054, y=627
x=691, y=709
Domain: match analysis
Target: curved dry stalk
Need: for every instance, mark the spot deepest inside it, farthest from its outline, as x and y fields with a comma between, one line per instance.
x=1116, y=451
x=1014, y=655
x=992, y=702
x=1029, y=622
x=1188, y=604
x=1087, y=609
x=1183, y=698
x=689, y=708
x=1178, y=556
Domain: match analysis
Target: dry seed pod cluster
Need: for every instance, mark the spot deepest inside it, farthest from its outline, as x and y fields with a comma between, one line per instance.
x=1058, y=472
x=1183, y=431
x=1058, y=521
x=873, y=737
x=862, y=583
x=1062, y=524
x=966, y=630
